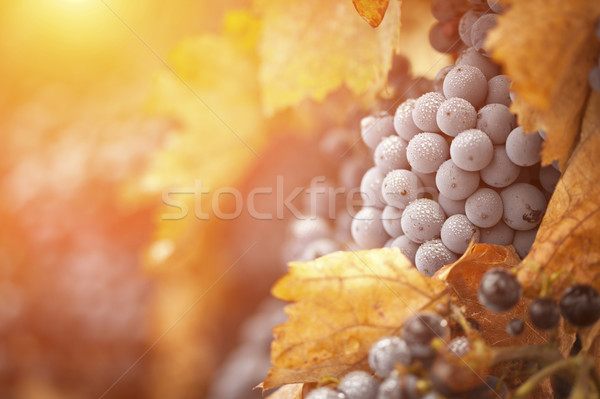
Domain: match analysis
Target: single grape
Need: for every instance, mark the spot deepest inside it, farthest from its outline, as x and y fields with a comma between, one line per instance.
x=385, y=353
x=427, y=151
x=454, y=182
x=370, y=188
x=472, y=150
x=423, y=327
x=499, y=90
x=468, y=82
x=524, y=206
x=549, y=177
x=432, y=256
x=443, y=37
x=425, y=111
x=447, y=10
x=325, y=393
x=422, y=220
x=406, y=246
x=450, y=206
x=392, y=221
x=495, y=6
x=459, y=346
x=457, y=232
x=480, y=29
x=438, y=81
x=465, y=25
x=515, y=327
x=367, y=229
x=580, y=305
x=471, y=56
x=499, y=234
x=544, y=313
x=400, y=187
x=358, y=385
x=403, y=120
x=523, y=241
x=500, y=172
x=523, y=149
x=499, y=290
x=456, y=115
x=390, y=154
x=496, y=121
x=399, y=387
x=375, y=127
x=484, y=208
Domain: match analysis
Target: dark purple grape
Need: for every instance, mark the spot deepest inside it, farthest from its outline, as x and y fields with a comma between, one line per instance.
x=580, y=305
x=544, y=313
x=515, y=327
x=499, y=290
x=423, y=327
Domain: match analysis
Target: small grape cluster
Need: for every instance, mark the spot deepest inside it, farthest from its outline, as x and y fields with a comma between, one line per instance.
x=500, y=291
x=453, y=165
x=409, y=366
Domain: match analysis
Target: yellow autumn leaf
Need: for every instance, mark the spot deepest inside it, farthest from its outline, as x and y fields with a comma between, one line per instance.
x=343, y=303
x=548, y=48
x=309, y=48
x=372, y=11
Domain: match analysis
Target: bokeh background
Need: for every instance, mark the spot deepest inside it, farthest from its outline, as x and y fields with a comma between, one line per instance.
x=105, y=106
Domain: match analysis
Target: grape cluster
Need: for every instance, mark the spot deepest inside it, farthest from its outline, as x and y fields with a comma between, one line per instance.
x=500, y=291
x=453, y=165
x=410, y=366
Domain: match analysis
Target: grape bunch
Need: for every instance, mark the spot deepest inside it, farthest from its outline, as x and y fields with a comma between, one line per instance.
x=453, y=165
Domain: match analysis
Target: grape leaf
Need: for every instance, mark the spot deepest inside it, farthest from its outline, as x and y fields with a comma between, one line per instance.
x=372, y=11
x=309, y=48
x=289, y=391
x=343, y=303
x=569, y=237
x=548, y=48
x=463, y=277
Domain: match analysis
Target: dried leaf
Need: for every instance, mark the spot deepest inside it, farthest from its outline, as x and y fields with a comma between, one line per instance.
x=548, y=48
x=344, y=302
x=290, y=391
x=463, y=277
x=309, y=48
x=372, y=11
x=569, y=237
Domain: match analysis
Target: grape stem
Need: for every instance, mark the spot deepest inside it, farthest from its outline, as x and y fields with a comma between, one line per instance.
x=542, y=354
x=526, y=388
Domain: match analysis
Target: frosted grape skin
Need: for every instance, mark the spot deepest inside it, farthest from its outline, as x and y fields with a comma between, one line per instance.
x=499, y=234
x=456, y=115
x=427, y=151
x=367, y=228
x=499, y=90
x=523, y=149
x=390, y=154
x=472, y=150
x=468, y=82
x=500, y=172
x=466, y=23
x=358, y=385
x=370, y=188
x=496, y=121
x=406, y=246
x=472, y=57
x=480, y=29
x=391, y=218
x=457, y=232
x=432, y=256
x=456, y=183
x=403, y=122
x=422, y=220
x=523, y=241
x=400, y=187
x=524, y=206
x=484, y=208
x=425, y=111
x=373, y=128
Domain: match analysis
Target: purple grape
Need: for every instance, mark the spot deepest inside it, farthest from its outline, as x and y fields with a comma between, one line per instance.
x=501, y=172
x=367, y=229
x=390, y=154
x=425, y=111
x=474, y=58
x=373, y=128
x=549, y=177
x=406, y=246
x=496, y=121
x=456, y=115
x=391, y=218
x=457, y=232
x=427, y=151
x=499, y=290
x=452, y=207
x=403, y=120
x=454, y=182
x=465, y=24
x=499, y=234
x=499, y=90
x=484, y=208
x=385, y=353
x=370, y=188
x=468, y=82
x=480, y=29
x=432, y=256
x=400, y=187
x=580, y=305
x=523, y=241
x=523, y=149
x=524, y=206
x=472, y=150
x=422, y=220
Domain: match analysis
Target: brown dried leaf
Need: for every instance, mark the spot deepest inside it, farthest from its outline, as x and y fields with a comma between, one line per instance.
x=463, y=277
x=372, y=11
x=290, y=391
x=568, y=240
x=344, y=302
x=548, y=48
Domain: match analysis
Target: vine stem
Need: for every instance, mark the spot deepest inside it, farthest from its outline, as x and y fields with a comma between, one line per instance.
x=542, y=354
x=533, y=381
